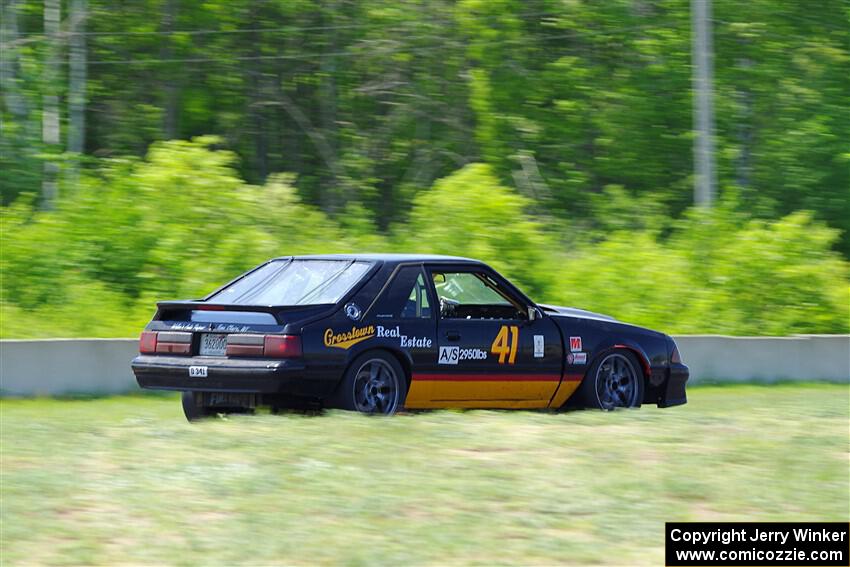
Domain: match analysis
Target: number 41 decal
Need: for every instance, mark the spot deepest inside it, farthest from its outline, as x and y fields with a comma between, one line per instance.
x=500, y=344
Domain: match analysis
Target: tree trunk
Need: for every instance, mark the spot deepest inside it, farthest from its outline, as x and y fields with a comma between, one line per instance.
x=50, y=104
x=256, y=98
x=77, y=79
x=288, y=136
x=332, y=195
x=745, y=131
x=261, y=149
x=8, y=61
x=169, y=123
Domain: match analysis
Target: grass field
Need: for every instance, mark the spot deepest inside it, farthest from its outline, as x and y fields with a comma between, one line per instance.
x=126, y=480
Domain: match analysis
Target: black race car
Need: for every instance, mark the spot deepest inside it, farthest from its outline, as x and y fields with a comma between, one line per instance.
x=376, y=333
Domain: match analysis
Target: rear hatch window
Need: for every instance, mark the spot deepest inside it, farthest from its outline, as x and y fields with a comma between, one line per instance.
x=293, y=282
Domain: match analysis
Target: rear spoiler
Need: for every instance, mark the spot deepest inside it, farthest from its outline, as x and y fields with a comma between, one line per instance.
x=168, y=309
x=209, y=306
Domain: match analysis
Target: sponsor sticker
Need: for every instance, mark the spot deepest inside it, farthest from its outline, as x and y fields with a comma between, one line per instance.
x=539, y=346
x=230, y=328
x=575, y=344
x=454, y=354
x=414, y=342
x=190, y=327
x=404, y=341
x=577, y=358
x=352, y=311
x=388, y=332
x=347, y=339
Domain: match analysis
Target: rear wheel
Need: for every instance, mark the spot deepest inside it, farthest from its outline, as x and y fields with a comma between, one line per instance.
x=374, y=384
x=192, y=408
x=197, y=405
x=614, y=381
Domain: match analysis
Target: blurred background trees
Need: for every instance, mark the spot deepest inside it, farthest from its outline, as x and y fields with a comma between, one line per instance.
x=550, y=138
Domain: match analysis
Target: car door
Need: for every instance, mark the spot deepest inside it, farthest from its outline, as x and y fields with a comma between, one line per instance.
x=404, y=317
x=490, y=352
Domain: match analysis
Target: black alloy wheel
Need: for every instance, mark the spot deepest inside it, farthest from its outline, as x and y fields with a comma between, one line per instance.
x=614, y=381
x=374, y=384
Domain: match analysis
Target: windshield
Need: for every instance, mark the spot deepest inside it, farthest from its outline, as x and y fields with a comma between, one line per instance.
x=294, y=282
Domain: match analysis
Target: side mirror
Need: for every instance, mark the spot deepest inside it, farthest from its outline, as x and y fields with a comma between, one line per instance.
x=533, y=313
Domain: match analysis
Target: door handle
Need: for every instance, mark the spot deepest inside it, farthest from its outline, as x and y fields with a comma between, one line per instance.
x=453, y=335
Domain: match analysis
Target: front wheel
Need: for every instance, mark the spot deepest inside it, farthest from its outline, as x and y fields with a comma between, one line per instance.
x=374, y=384
x=614, y=381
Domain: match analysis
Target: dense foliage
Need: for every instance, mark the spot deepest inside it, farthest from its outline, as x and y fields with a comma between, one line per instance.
x=180, y=222
x=370, y=102
x=550, y=138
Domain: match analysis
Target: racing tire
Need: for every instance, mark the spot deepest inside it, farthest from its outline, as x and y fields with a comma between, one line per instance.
x=614, y=380
x=374, y=383
x=192, y=410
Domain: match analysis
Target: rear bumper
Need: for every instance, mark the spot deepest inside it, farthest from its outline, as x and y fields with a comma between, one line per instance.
x=249, y=376
x=674, y=388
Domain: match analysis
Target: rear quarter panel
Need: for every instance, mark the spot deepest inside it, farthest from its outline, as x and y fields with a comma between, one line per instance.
x=331, y=343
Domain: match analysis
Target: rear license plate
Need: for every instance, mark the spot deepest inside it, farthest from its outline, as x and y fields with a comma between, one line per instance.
x=213, y=344
x=197, y=371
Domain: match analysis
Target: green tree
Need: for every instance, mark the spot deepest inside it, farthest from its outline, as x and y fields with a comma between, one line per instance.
x=471, y=214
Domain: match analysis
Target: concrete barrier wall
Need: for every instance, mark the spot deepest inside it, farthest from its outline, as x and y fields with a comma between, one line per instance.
x=53, y=367
x=716, y=358
x=102, y=366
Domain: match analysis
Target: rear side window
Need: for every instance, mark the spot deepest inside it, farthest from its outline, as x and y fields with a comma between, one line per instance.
x=417, y=305
x=294, y=282
x=407, y=296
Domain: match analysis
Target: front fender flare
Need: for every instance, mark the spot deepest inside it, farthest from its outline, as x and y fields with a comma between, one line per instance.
x=626, y=344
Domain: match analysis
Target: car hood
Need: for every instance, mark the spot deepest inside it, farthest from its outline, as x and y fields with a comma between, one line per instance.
x=557, y=310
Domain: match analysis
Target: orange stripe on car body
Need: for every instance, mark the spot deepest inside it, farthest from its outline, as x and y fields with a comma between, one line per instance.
x=506, y=391
x=568, y=386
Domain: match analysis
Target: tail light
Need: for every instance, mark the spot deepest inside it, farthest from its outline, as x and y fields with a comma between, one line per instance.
x=269, y=346
x=147, y=342
x=173, y=342
x=282, y=346
x=675, y=358
x=244, y=345
x=153, y=342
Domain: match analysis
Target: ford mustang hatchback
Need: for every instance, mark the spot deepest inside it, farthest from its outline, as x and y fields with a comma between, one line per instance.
x=378, y=333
